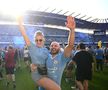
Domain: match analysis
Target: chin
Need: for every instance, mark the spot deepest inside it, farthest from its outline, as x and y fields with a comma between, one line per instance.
x=54, y=52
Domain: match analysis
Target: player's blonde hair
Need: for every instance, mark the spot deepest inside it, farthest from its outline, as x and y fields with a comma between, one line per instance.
x=40, y=33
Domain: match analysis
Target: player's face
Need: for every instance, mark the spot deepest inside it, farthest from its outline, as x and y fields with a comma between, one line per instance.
x=54, y=47
x=39, y=40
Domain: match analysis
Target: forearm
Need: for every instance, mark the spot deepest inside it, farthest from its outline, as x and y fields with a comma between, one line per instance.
x=69, y=47
x=23, y=32
x=71, y=25
x=71, y=38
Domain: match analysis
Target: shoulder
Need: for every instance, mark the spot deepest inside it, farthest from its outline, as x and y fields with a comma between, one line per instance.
x=45, y=50
x=61, y=53
x=79, y=52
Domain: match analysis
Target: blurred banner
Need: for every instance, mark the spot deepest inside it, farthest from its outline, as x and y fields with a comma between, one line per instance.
x=99, y=33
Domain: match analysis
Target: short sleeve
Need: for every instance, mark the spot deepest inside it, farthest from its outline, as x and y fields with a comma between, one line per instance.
x=75, y=57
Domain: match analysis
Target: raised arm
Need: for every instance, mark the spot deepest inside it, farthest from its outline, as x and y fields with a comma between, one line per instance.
x=71, y=25
x=23, y=31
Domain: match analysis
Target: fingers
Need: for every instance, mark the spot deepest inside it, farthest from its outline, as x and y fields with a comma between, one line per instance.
x=33, y=67
x=20, y=19
x=70, y=18
x=70, y=22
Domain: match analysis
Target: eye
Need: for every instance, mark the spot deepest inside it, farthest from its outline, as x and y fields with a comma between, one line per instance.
x=38, y=40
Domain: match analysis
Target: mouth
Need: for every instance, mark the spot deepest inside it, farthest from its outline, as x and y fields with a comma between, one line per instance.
x=39, y=45
x=53, y=49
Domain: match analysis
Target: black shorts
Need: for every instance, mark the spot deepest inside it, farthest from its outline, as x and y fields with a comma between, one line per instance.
x=83, y=76
x=9, y=70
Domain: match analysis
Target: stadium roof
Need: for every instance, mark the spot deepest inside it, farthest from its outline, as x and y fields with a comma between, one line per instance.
x=90, y=10
x=89, y=14
x=59, y=20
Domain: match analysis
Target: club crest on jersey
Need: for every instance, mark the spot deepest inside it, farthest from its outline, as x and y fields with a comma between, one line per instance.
x=55, y=62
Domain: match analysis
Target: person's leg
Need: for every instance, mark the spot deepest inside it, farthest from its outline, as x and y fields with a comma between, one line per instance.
x=8, y=77
x=97, y=65
x=101, y=65
x=68, y=75
x=1, y=76
x=79, y=84
x=107, y=62
x=25, y=61
x=85, y=84
x=13, y=76
x=48, y=84
x=13, y=80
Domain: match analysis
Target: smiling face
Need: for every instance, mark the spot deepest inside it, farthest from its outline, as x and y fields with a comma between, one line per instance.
x=54, y=48
x=39, y=39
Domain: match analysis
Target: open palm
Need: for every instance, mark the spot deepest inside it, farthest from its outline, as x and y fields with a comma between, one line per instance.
x=70, y=23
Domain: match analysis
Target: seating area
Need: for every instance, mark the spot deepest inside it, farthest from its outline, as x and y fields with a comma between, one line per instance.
x=11, y=34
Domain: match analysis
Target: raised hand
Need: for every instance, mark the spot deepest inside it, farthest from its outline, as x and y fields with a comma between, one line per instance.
x=20, y=19
x=70, y=23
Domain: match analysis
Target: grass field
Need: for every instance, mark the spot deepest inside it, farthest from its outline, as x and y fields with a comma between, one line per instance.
x=24, y=81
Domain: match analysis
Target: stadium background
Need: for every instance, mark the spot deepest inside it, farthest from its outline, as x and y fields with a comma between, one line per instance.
x=53, y=26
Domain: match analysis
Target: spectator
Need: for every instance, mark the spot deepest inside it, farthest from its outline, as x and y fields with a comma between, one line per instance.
x=39, y=54
x=106, y=55
x=10, y=65
x=83, y=61
x=59, y=58
x=1, y=75
x=99, y=59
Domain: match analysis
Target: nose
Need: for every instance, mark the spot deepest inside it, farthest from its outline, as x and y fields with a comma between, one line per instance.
x=52, y=46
